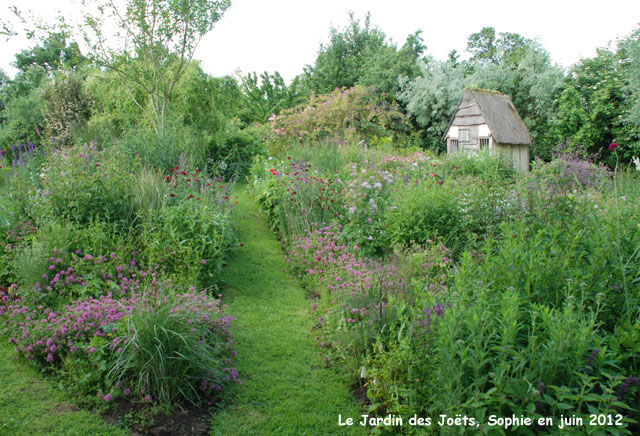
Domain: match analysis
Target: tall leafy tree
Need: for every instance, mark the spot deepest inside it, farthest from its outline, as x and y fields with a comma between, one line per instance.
x=593, y=96
x=383, y=70
x=55, y=51
x=487, y=47
x=156, y=42
x=629, y=55
x=361, y=55
x=268, y=94
x=432, y=98
x=341, y=62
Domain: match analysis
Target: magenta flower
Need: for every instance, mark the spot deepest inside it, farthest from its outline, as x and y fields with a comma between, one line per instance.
x=613, y=146
x=311, y=272
x=203, y=261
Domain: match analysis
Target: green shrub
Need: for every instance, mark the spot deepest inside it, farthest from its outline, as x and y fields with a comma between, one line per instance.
x=425, y=212
x=83, y=184
x=230, y=153
x=58, y=249
x=191, y=238
x=66, y=107
x=22, y=114
x=343, y=115
x=177, y=146
x=483, y=165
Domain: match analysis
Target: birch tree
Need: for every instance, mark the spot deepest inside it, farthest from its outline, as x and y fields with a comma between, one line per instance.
x=149, y=44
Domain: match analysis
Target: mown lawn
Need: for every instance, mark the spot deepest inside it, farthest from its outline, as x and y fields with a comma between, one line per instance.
x=31, y=405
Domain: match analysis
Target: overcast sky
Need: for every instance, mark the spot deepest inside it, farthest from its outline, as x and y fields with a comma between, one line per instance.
x=284, y=35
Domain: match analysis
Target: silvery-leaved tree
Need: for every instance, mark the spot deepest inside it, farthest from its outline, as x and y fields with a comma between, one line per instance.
x=148, y=44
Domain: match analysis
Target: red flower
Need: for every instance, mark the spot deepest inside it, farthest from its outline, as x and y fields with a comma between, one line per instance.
x=613, y=146
x=184, y=173
x=4, y=152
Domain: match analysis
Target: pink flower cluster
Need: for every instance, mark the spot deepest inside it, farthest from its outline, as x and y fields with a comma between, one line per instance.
x=47, y=335
x=359, y=287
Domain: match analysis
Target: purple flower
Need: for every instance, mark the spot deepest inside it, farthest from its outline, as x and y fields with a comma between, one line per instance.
x=203, y=261
x=107, y=398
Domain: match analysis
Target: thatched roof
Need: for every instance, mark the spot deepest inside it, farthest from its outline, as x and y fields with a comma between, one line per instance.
x=501, y=115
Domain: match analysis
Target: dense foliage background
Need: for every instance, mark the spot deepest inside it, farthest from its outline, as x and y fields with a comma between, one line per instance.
x=60, y=94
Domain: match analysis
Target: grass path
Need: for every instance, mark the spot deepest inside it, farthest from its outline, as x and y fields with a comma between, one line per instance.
x=286, y=389
x=30, y=405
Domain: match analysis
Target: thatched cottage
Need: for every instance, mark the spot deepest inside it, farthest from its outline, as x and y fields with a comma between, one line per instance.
x=489, y=120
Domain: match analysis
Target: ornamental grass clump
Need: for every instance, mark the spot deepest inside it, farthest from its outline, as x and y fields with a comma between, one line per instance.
x=174, y=350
